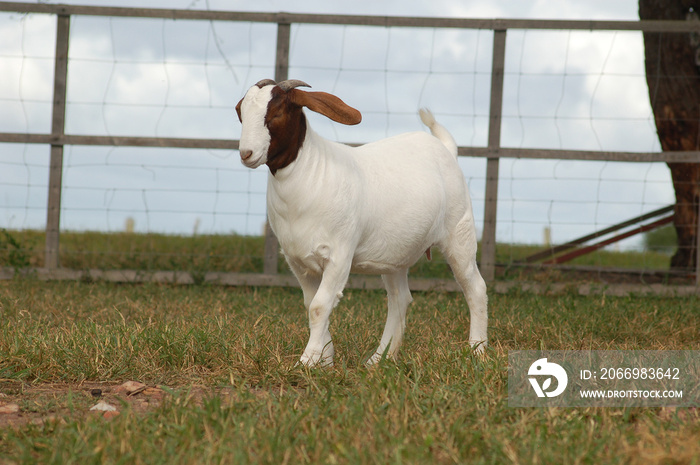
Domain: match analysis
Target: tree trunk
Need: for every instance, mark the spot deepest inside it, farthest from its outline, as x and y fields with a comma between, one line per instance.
x=673, y=75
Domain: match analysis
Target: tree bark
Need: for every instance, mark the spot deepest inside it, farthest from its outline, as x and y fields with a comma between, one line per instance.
x=672, y=62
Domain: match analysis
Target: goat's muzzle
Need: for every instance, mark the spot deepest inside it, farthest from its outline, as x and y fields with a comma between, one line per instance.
x=246, y=154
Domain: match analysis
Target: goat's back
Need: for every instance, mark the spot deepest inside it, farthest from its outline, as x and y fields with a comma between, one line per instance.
x=411, y=165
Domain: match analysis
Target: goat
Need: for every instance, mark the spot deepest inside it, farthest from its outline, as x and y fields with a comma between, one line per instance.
x=372, y=209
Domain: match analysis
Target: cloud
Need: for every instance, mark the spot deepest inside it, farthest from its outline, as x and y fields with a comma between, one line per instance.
x=26, y=72
x=579, y=90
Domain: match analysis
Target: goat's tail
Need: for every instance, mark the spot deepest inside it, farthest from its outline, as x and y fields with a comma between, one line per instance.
x=438, y=130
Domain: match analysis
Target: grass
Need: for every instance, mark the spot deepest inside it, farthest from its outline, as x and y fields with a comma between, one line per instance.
x=243, y=254
x=120, y=250
x=225, y=358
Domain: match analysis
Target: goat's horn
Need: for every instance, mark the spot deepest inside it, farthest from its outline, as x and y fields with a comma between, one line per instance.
x=265, y=82
x=291, y=84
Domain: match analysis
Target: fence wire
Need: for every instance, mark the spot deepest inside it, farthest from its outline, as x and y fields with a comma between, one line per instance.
x=160, y=78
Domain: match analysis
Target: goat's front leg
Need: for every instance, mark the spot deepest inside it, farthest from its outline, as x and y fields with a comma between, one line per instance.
x=319, y=350
x=399, y=298
x=309, y=282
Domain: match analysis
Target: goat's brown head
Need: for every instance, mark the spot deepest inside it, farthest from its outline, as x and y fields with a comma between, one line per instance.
x=274, y=125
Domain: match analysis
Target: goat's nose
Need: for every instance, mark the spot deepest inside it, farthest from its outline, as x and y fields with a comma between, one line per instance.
x=246, y=154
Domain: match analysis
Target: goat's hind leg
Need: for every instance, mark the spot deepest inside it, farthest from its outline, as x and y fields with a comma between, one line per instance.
x=399, y=298
x=460, y=252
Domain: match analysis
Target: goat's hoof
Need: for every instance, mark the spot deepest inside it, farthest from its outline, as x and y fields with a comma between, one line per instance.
x=373, y=361
x=378, y=357
x=315, y=361
x=479, y=347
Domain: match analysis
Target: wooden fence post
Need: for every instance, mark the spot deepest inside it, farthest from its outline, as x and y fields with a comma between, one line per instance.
x=281, y=74
x=53, y=212
x=488, y=238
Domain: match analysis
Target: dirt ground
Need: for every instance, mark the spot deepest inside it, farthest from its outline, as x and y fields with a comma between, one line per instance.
x=21, y=404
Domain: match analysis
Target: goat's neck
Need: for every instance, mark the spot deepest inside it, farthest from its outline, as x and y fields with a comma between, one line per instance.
x=310, y=164
x=319, y=172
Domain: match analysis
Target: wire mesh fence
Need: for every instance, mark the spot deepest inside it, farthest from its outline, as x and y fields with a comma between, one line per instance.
x=149, y=174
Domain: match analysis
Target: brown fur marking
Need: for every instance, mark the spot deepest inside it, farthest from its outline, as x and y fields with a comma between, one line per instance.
x=287, y=125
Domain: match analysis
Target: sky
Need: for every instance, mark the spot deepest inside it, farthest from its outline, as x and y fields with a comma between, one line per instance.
x=145, y=77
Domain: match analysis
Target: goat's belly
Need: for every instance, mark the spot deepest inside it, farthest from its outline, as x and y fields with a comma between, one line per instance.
x=309, y=246
x=387, y=261
x=397, y=243
x=370, y=267
x=314, y=257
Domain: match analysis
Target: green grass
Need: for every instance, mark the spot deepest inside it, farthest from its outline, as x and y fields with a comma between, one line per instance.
x=226, y=357
x=118, y=251
x=243, y=254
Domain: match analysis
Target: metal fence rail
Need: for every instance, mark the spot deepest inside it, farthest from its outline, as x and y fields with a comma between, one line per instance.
x=57, y=139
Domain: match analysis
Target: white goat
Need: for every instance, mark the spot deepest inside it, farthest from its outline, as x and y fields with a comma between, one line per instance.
x=371, y=209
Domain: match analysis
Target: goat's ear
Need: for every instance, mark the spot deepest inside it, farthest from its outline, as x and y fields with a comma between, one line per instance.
x=328, y=105
x=238, y=110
